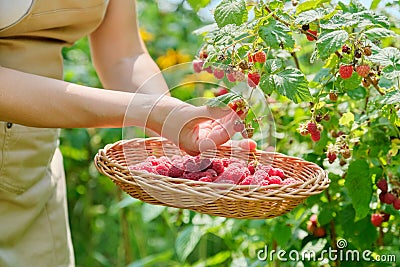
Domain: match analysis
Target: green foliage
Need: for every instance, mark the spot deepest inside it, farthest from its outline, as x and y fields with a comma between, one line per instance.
x=110, y=228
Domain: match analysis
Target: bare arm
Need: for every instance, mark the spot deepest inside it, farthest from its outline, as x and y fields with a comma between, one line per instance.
x=119, y=55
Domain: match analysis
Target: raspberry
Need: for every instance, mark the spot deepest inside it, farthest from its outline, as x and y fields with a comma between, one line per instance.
x=376, y=219
x=259, y=176
x=305, y=27
x=319, y=232
x=309, y=37
x=363, y=70
x=331, y=157
x=333, y=96
x=311, y=227
x=252, y=166
x=218, y=166
x=345, y=49
x=289, y=181
x=219, y=73
x=396, y=204
x=385, y=216
x=316, y=136
x=162, y=169
x=389, y=198
x=175, y=172
x=205, y=179
x=260, y=56
x=153, y=160
x=239, y=76
x=143, y=166
x=204, y=164
x=312, y=127
x=275, y=180
x=212, y=173
x=231, y=77
x=225, y=162
x=264, y=183
x=382, y=197
x=276, y=172
x=367, y=51
x=345, y=71
x=250, y=57
x=198, y=65
x=220, y=91
x=233, y=173
x=357, y=54
x=238, y=126
x=203, y=54
x=253, y=79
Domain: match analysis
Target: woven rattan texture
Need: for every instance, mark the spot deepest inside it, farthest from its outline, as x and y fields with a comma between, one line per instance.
x=231, y=201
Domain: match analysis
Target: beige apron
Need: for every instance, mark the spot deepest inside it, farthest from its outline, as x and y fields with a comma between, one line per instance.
x=34, y=228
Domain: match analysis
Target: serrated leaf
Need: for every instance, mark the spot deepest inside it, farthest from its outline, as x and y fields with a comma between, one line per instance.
x=187, y=241
x=369, y=18
x=347, y=119
x=206, y=29
x=359, y=186
x=309, y=5
x=273, y=65
x=222, y=100
x=352, y=82
x=392, y=97
x=386, y=56
x=377, y=33
x=338, y=20
x=230, y=12
x=197, y=4
x=290, y=82
x=309, y=16
x=330, y=42
x=275, y=33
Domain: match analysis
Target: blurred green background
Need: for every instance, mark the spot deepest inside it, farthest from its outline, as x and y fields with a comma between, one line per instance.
x=110, y=228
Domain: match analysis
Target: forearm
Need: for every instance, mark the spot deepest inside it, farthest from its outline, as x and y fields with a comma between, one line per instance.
x=43, y=102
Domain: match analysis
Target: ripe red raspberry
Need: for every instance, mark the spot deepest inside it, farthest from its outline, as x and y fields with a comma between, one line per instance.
x=274, y=180
x=331, y=157
x=276, y=172
x=218, y=166
x=252, y=166
x=316, y=136
x=289, y=181
x=396, y=204
x=345, y=49
x=253, y=79
x=389, y=198
x=192, y=175
x=346, y=71
x=312, y=127
x=264, y=183
x=162, y=169
x=247, y=181
x=260, y=56
x=382, y=197
x=260, y=176
x=250, y=57
x=175, y=172
x=238, y=126
x=319, y=232
x=311, y=38
x=382, y=185
x=231, y=77
x=226, y=162
x=208, y=69
x=220, y=91
x=376, y=219
x=218, y=73
x=363, y=70
x=198, y=65
x=233, y=173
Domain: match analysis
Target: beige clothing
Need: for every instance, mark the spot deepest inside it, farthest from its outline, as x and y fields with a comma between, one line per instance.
x=34, y=228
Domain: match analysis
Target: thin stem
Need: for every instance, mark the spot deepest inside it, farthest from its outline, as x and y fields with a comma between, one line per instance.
x=296, y=60
x=375, y=85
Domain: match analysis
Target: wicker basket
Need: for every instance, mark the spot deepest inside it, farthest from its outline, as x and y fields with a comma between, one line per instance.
x=226, y=200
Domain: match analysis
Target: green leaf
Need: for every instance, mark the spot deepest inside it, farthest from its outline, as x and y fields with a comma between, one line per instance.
x=392, y=97
x=309, y=16
x=290, y=82
x=357, y=93
x=230, y=12
x=281, y=234
x=197, y=4
x=273, y=65
x=187, y=241
x=331, y=42
x=352, y=82
x=315, y=246
x=377, y=33
x=359, y=185
x=309, y=5
x=374, y=4
x=386, y=56
x=338, y=20
x=222, y=100
x=369, y=18
x=150, y=212
x=275, y=33
x=347, y=119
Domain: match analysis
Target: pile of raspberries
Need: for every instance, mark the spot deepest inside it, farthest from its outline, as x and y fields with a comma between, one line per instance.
x=217, y=170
